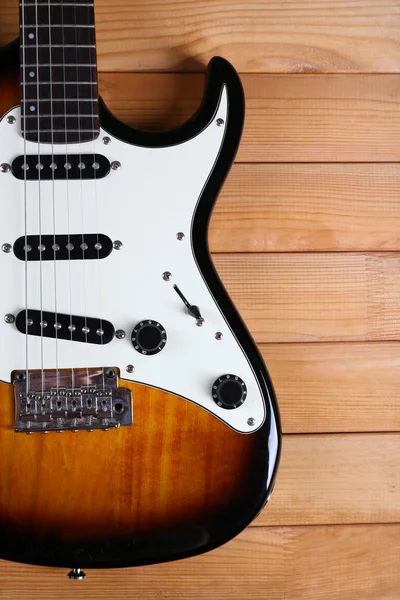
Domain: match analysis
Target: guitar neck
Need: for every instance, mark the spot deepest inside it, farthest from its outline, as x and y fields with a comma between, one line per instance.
x=59, y=93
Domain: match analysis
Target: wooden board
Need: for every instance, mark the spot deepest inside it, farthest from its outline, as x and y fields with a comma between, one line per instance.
x=315, y=296
x=333, y=479
x=308, y=207
x=295, y=563
x=302, y=36
x=334, y=387
x=297, y=118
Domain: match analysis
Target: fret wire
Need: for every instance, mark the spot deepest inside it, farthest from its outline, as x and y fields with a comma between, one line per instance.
x=61, y=46
x=58, y=26
x=60, y=83
x=63, y=100
x=60, y=65
x=63, y=130
x=25, y=5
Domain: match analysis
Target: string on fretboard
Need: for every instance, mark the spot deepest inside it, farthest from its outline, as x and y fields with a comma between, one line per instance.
x=58, y=71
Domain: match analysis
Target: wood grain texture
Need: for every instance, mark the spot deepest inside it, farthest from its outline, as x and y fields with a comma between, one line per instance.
x=294, y=563
x=297, y=118
x=308, y=207
x=153, y=477
x=315, y=296
x=300, y=36
x=333, y=479
x=334, y=387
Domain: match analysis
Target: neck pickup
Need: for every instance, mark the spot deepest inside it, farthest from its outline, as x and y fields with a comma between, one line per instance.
x=89, y=246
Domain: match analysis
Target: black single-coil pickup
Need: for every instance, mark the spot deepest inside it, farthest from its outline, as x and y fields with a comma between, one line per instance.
x=65, y=327
x=89, y=246
x=60, y=167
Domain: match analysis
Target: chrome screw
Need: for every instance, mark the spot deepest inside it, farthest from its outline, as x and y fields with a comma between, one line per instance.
x=200, y=322
x=116, y=165
x=106, y=141
x=218, y=336
x=117, y=245
x=251, y=421
x=180, y=236
x=167, y=276
x=6, y=248
x=5, y=168
x=11, y=120
x=10, y=319
x=120, y=334
x=220, y=122
x=130, y=368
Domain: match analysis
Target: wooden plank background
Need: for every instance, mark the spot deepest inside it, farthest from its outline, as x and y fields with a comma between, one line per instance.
x=306, y=238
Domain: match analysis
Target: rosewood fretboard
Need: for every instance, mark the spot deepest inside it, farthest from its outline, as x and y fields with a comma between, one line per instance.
x=59, y=97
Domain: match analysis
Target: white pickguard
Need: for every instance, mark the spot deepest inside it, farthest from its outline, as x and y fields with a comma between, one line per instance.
x=144, y=205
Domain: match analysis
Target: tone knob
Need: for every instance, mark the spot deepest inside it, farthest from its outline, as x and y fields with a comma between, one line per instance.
x=229, y=391
x=149, y=337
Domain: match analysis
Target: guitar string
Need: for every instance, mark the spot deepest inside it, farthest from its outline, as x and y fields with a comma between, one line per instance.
x=81, y=190
x=32, y=109
x=54, y=203
x=23, y=112
x=67, y=189
x=94, y=98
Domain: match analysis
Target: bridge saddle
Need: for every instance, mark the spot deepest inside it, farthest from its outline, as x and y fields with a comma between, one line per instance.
x=82, y=399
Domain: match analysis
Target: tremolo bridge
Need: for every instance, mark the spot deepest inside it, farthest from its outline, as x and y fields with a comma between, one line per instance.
x=82, y=399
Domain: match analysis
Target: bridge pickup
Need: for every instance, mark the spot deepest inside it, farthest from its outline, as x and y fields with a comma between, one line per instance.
x=65, y=327
x=89, y=246
x=60, y=167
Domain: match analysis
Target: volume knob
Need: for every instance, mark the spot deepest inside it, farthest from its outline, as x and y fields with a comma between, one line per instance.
x=229, y=391
x=149, y=337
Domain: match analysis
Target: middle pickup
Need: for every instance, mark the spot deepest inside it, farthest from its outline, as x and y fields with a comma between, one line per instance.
x=88, y=246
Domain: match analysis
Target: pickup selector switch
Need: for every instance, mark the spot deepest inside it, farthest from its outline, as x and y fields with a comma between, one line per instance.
x=229, y=391
x=149, y=337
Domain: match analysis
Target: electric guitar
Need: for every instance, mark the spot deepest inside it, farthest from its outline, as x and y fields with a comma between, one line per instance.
x=138, y=423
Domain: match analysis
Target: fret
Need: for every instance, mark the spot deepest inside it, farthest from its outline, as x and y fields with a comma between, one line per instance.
x=65, y=122
x=58, y=15
x=32, y=57
x=55, y=26
x=36, y=83
x=58, y=71
x=58, y=74
x=58, y=92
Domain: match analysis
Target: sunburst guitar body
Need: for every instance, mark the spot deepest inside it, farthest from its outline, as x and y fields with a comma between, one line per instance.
x=138, y=423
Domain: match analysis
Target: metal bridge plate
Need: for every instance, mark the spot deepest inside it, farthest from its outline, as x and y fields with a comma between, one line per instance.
x=70, y=400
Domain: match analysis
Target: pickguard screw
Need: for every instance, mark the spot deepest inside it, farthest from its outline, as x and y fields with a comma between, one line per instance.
x=21, y=377
x=6, y=248
x=200, y=322
x=11, y=120
x=251, y=421
x=110, y=373
x=10, y=319
x=180, y=236
x=117, y=245
x=218, y=336
x=130, y=368
x=120, y=334
x=167, y=276
x=116, y=165
x=220, y=122
x=5, y=168
x=106, y=141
